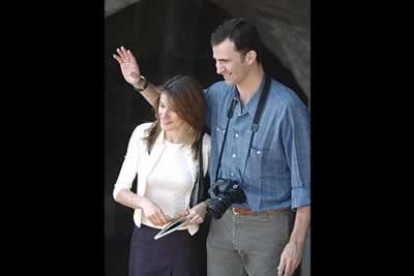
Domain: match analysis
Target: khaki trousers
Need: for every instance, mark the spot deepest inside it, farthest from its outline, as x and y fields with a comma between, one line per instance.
x=240, y=245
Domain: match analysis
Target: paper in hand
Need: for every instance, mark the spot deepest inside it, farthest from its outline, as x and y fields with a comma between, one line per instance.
x=171, y=227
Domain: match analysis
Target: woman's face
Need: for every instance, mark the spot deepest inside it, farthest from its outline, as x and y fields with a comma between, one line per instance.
x=169, y=120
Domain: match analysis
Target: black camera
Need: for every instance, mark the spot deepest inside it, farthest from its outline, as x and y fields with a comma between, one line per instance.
x=226, y=192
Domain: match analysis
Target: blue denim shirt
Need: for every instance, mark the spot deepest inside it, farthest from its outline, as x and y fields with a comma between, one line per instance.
x=275, y=171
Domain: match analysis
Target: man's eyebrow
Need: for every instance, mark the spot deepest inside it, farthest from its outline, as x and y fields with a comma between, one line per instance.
x=221, y=59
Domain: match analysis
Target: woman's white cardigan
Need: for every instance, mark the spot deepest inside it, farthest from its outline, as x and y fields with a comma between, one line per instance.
x=138, y=162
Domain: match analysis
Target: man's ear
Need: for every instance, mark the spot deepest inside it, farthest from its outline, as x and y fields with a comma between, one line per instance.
x=251, y=57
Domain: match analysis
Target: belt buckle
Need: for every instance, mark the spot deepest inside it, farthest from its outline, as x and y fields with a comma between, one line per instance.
x=234, y=211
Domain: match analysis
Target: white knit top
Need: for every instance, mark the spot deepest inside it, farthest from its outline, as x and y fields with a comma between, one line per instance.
x=138, y=163
x=170, y=182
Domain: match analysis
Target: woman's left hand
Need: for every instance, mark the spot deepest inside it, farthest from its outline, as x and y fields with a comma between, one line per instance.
x=196, y=214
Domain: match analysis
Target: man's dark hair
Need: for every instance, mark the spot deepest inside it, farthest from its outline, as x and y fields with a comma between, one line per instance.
x=242, y=32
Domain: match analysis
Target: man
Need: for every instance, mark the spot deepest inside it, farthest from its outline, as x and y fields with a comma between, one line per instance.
x=265, y=234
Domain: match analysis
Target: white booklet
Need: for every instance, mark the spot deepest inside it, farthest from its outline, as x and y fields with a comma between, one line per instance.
x=171, y=226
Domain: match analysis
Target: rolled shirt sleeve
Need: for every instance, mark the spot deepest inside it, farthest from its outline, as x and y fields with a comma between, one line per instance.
x=296, y=139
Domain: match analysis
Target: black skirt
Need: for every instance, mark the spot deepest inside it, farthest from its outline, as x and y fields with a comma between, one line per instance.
x=177, y=254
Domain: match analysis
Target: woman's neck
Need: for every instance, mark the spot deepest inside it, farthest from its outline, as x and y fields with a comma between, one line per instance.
x=175, y=137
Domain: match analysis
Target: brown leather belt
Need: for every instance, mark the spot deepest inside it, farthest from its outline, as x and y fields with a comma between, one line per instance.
x=244, y=212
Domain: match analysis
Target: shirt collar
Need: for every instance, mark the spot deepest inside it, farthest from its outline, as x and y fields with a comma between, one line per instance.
x=253, y=102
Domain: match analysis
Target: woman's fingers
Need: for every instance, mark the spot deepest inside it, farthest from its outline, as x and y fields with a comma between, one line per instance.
x=195, y=219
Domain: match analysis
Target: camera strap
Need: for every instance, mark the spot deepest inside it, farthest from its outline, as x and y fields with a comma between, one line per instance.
x=259, y=110
x=229, y=116
x=256, y=120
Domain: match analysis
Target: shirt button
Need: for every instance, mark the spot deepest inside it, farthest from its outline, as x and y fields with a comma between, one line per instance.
x=237, y=135
x=234, y=155
x=232, y=174
x=258, y=152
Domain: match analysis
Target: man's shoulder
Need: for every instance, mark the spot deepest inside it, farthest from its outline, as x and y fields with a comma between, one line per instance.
x=218, y=87
x=285, y=96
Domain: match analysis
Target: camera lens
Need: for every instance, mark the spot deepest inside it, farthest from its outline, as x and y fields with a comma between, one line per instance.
x=217, y=206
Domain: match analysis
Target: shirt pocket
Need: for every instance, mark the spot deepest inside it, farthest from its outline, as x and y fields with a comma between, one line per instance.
x=265, y=164
x=219, y=133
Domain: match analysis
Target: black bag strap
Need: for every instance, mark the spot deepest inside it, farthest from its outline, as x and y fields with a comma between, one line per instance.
x=201, y=185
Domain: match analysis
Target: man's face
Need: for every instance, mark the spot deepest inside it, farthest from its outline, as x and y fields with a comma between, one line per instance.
x=230, y=63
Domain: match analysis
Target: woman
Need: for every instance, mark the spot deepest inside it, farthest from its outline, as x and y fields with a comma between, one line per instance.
x=164, y=155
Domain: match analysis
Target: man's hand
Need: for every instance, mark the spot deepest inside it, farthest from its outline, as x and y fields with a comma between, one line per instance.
x=290, y=259
x=129, y=66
